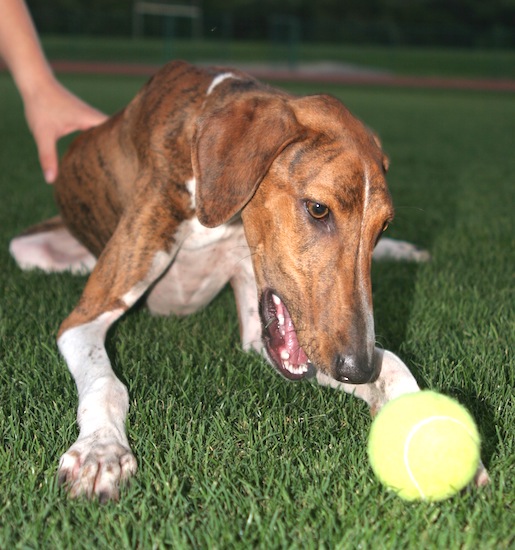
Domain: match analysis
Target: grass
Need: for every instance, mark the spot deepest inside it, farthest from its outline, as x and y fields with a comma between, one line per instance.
x=398, y=60
x=230, y=455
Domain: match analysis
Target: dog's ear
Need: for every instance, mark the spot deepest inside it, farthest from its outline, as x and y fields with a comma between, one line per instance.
x=386, y=160
x=233, y=149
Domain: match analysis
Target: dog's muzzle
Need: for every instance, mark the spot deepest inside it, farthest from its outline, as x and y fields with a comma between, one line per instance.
x=280, y=338
x=289, y=358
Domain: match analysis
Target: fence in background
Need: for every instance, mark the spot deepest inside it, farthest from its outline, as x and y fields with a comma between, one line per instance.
x=273, y=27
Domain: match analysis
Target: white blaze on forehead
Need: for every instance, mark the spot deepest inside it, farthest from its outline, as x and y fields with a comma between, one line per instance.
x=218, y=80
x=365, y=303
x=366, y=192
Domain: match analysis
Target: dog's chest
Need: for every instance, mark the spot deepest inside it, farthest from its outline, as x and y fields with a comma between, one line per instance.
x=205, y=262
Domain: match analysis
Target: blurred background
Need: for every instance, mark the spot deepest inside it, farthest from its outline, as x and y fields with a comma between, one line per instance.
x=381, y=35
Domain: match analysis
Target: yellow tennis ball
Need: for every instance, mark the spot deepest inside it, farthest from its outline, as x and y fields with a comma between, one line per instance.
x=424, y=445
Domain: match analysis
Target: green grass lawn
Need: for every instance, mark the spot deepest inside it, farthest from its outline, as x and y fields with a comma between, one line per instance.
x=471, y=63
x=230, y=455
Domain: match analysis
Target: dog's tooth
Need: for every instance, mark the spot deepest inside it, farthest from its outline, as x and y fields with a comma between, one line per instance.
x=301, y=369
x=285, y=355
x=280, y=318
x=276, y=299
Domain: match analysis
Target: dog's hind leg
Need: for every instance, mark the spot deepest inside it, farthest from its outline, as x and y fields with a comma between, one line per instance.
x=51, y=247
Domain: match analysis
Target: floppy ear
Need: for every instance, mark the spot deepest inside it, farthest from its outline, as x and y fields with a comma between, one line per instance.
x=386, y=159
x=232, y=151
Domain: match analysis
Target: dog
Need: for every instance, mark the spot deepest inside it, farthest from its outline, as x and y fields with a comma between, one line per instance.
x=211, y=177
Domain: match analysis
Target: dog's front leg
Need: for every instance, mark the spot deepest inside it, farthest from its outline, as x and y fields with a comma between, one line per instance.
x=243, y=283
x=394, y=379
x=101, y=458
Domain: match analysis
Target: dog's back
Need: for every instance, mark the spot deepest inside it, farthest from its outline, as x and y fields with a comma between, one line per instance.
x=95, y=186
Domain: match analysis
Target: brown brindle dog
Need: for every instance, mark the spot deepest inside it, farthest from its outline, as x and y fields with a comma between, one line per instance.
x=209, y=177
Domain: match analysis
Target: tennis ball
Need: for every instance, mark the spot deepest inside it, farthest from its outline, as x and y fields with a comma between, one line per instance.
x=424, y=445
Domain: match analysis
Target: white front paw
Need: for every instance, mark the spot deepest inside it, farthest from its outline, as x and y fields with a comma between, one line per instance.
x=96, y=466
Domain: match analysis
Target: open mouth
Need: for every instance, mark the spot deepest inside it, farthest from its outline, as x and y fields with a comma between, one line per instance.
x=280, y=338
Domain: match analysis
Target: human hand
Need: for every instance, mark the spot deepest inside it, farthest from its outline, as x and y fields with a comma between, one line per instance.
x=53, y=113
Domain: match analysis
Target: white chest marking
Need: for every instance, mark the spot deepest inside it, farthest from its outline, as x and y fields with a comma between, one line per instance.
x=206, y=260
x=199, y=236
x=218, y=80
x=191, y=185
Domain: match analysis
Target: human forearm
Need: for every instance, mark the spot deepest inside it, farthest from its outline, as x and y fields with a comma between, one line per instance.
x=20, y=48
x=50, y=109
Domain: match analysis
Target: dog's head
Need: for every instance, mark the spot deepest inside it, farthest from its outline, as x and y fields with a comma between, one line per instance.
x=309, y=181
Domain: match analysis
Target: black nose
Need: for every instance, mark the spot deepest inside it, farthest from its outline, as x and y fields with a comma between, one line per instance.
x=353, y=369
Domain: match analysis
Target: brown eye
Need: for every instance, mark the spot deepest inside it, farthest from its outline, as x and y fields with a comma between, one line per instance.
x=317, y=210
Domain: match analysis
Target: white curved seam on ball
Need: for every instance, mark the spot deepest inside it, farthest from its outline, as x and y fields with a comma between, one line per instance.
x=412, y=433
